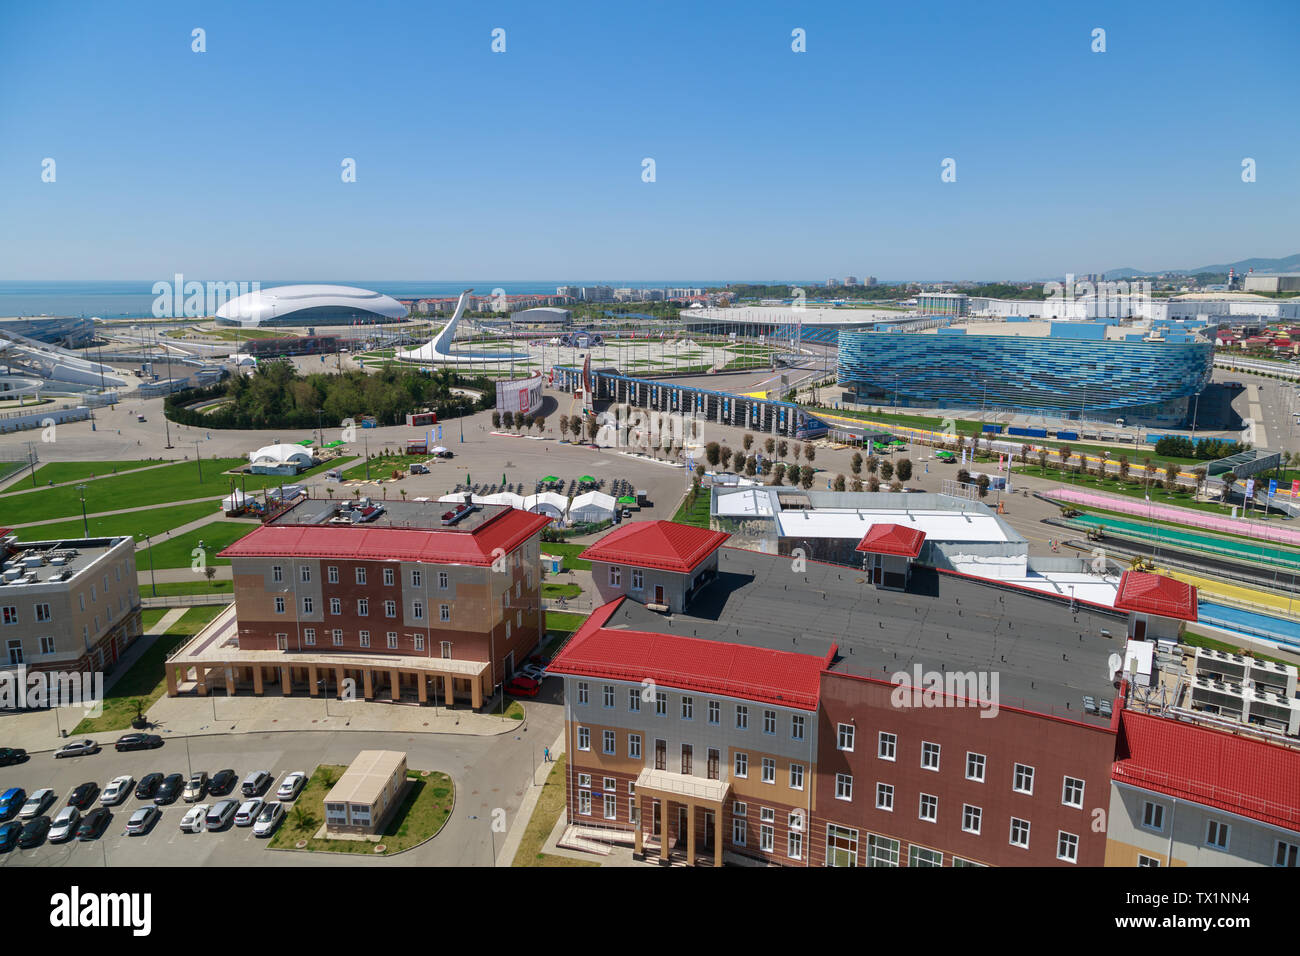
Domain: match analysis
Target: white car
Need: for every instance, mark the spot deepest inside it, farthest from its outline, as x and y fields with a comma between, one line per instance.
x=268, y=820
x=116, y=790
x=290, y=785
x=65, y=825
x=192, y=822
x=534, y=671
x=36, y=803
x=248, y=811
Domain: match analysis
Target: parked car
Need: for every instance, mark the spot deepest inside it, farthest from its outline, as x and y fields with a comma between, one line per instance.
x=83, y=796
x=192, y=822
x=142, y=820
x=247, y=813
x=77, y=748
x=523, y=687
x=9, y=833
x=36, y=803
x=117, y=790
x=291, y=785
x=148, y=786
x=12, y=755
x=268, y=819
x=94, y=823
x=139, y=742
x=65, y=825
x=533, y=671
x=169, y=789
x=220, y=815
x=255, y=783
x=34, y=832
x=223, y=781
x=197, y=788
x=11, y=801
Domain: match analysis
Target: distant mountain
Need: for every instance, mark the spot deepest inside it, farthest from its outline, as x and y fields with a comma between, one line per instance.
x=1288, y=264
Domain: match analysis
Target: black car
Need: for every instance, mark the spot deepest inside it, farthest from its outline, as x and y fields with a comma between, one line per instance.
x=83, y=796
x=12, y=755
x=169, y=789
x=148, y=786
x=222, y=782
x=34, y=833
x=94, y=823
x=139, y=742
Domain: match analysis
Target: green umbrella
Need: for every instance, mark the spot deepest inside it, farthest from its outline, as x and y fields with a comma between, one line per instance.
x=627, y=500
x=587, y=479
x=550, y=479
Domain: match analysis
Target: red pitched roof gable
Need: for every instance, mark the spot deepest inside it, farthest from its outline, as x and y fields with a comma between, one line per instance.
x=783, y=678
x=893, y=539
x=1156, y=594
x=663, y=545
x=1211, y=767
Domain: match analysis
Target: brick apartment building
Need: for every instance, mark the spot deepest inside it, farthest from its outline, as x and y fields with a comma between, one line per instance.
x=420, y=599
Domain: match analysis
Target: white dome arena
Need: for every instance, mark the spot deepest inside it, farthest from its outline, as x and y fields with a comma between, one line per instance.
x=300, y=305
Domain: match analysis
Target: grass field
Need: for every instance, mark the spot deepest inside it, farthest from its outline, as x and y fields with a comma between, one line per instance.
x=570, y=552
x=151, y=521
x=696, y=513
x=565, y=591
x=1132, y=489
x=425, y=807
x=145, y=679
x=549, y=807
x=564, y=622
x=382, y=467
x=218, y=589
x=176, y=552
x=57, y=472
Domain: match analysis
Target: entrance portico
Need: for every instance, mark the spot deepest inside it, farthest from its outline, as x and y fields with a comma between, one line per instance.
x=669, y=802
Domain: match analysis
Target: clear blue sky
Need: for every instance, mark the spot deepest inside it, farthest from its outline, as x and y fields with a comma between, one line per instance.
x=527, y=164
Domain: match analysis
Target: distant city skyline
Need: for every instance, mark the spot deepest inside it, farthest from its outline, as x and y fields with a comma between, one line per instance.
x=231, y=162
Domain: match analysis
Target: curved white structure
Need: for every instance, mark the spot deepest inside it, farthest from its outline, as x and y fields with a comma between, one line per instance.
x=281, y=455
x=438, y=350
x=310, y=305
x=29, y=364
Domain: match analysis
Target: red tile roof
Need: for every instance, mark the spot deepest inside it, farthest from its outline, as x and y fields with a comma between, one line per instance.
x=359, y=542
x=663, y=545
x=1211, y=767
x=1156, y=594
x=893, y=539
x=690, y=663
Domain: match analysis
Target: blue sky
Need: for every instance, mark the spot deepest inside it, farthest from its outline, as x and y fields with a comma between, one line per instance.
x=527, y=164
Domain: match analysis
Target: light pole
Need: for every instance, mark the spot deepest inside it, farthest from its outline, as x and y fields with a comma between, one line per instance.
x=149, y=544
x=198, y=460
x=85, y=523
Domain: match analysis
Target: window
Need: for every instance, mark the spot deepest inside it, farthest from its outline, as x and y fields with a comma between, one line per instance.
x=390, y=609
x=363, y=607
x=337, y=637
x=1153, y=816
x=688, y=756
x=304, y=572
x=419, y=642
x=364, y=637
x=971, y=818
x=714, y=757
x=415, y=579
x=920, y=856
x=1144, y=860
x=844, y=786
x=444, y=612
x=796, y=727
x=615, y=576
x=417, y=610
x=958, y=861
x=634, y=701
x=1216, y=835
x=740, y=766
x=336, y=606
x=1072, y=792
x=388, y=577
x=42, y=612
x=277, y=574
x=584, y=690
x=1020, y=832
x=444, y=647
x=738, y=832
x=392, y=640
x=975, y=766
x=929, y=756
x=929, y=808
x=607, y=696
x=766, y=837
x=47, y=645
x=841, y=846
x=794, y=845
x=661, y=754
x=796, y=776
x=637, y=579
x=661, y=704
x=1024, y=779
x=584, y=802
x=885, y=796
x=309, y=636
x=881, y=851
x=844, y=737
x=1067, y=847
x=611, y=807
x=634, y=746
x=584, y=738
x=888, y=746
x=307, y=605
x=444, y=580
x=81, y=602
x=769, y=770
x=1285, y=854
x=584, y=780
x=332, y=574
x=279, y=605
x=608, y=740
x=688, y=708
x=361, y=575
x=715, y=712
x=742, y=717
x=769, y=722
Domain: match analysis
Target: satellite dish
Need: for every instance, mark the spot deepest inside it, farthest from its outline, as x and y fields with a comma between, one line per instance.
x=1113, y=665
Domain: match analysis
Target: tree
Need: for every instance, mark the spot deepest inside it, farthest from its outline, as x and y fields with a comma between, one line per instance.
x=508, y=419
x=806, y=476
x=751, y=465
x=904, y=469
x=1200, y=475
x=895, y=485
x=1228, y=479
x=797, y=450
x=963, y=476
x=769, y=446
x=839, y=482
x=1042, y=462
x=699, y=471
x=778, y=473
x=873, y=484
x=725, y=456
x=747, y=441
x=210, y=572
x=539, y=423
x=809, y=452
x=855, y=485
x=781, y=448
x=1123, y=469
x=496, y=419
x=564, y=426
x=855, y=463
x=886, y=470
x=712, y=454
x=1064, y=452
x=1171, y=476
x=1024, y=454
x=983, y=485
x=873, y=463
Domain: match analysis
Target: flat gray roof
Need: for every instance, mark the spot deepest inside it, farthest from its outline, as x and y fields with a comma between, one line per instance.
x=1046, y=657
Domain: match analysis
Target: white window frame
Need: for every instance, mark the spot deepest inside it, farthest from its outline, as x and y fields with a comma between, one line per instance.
x=1063, y=843
x=844, y=787
x=1023, y=773
x=887, y=746
x=845, y=732
x=978, y=762
x=930, y=755
x=1066, y=788
x=969, y=813
x=1016, y=824
x=931, y=800
x=885, y=797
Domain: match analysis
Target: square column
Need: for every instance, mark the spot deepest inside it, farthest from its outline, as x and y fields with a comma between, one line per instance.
x=311, y=680
x=476, y=692
x=201, y=678
x=171, y=681
x=396, y=685
x=638, y=838
x=338, y=683
x=368, y=683
x=422, y=687
x=230, y=681
x=257, y=679
x=665, y=820
x=286, y=683
x=717, y=837
x=690, y=834
x=450, y=693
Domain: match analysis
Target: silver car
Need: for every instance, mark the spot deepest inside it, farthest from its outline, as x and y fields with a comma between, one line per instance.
x=36, y=804
x=77, y=748
x=248, y=811
x=65, y=825
x=268, y=819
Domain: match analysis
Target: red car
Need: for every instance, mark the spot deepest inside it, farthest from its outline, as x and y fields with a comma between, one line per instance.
x=523, y=687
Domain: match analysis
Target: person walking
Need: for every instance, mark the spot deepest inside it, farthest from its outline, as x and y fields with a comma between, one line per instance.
x=546, y=755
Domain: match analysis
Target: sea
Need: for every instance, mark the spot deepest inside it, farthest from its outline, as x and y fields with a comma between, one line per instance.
x=134, y=298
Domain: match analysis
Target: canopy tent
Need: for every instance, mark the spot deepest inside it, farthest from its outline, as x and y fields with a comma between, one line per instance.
x=625, y=500
x=547, y=503
x=593, y=506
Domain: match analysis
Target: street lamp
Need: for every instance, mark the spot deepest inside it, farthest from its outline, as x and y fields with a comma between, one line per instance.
x=149, y=544
x=85, y=524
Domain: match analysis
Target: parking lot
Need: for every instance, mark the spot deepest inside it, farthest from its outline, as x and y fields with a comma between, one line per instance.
x=488, y=773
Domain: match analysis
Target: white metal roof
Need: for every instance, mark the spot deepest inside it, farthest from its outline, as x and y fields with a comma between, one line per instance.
x=597, y=499
x=280, y=454
x=281, y=301
x=854, y=523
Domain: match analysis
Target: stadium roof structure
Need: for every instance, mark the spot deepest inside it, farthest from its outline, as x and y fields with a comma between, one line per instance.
x=309, y=305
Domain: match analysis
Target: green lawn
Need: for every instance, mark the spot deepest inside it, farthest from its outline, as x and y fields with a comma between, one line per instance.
x=1133, y=488
x=565, y=591
x=176, y=552
x=424, y=810
x=562, y=621
x=549, y=807
x=59, y=471
x=151, y=521
x=696, y=513
x=570, y=552
x=222, y=589
x=382, y=467
x=1198, y=640
x=145, y=679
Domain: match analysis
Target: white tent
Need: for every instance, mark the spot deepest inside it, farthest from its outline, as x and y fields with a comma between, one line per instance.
x=235, y=501
x=503, y=498
x=281, y=455
x=547, y=503
x=593, y=506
